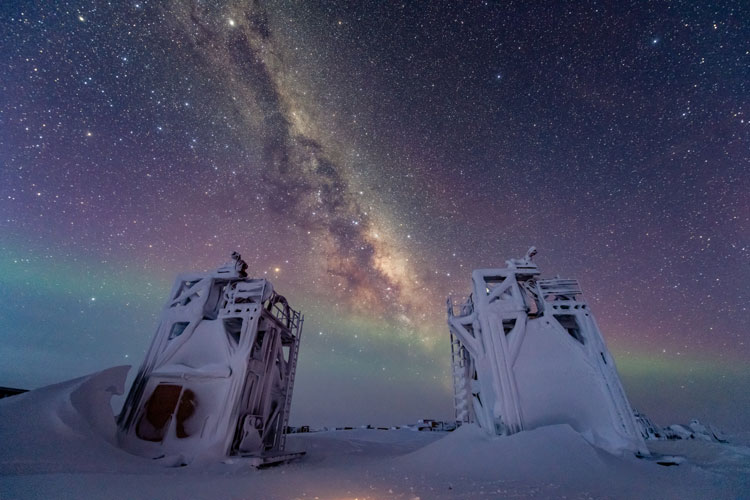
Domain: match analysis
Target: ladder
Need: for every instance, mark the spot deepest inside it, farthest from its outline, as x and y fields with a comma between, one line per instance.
x=292, y=364
x=460, y=390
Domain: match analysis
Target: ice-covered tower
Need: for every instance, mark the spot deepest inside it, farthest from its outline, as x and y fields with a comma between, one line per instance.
x=527, y=352
x=218, y=377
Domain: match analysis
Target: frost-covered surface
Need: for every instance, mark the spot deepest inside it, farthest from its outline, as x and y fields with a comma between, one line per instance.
x=57, y=442
x=527, y=353
x=223, y=359
x=694, y=430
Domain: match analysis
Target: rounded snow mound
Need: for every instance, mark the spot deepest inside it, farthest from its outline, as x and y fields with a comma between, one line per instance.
x=64, y=427
x=555, y=452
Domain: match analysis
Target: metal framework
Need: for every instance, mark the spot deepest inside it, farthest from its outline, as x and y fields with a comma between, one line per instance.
x=218, y=377
x=527, y=352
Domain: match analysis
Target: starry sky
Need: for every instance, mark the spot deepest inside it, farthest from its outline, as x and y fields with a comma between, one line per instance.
x=365, y=157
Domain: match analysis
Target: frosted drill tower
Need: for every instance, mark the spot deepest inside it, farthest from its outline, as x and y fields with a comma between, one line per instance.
x=218, y=377
x=527, y=352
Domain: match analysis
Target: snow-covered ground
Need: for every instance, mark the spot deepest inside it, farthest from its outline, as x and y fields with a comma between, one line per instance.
x=58, y=442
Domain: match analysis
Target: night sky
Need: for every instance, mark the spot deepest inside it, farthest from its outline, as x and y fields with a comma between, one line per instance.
x=365, y=157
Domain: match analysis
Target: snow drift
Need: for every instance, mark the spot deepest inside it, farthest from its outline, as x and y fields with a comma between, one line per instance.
x=65, y=426
x=58, y=442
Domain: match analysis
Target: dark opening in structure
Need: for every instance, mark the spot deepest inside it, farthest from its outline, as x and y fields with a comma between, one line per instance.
x=570, y=323
x=233, y=327
x=177, y=329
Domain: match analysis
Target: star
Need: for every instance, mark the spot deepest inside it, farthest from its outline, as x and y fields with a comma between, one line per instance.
x=367, y=159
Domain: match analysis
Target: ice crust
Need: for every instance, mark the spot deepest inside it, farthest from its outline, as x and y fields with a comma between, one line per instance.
x=57, y=442
x=63, y=427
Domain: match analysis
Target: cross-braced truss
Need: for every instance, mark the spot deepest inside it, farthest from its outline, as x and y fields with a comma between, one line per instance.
x=219, y=375
x=527, y=352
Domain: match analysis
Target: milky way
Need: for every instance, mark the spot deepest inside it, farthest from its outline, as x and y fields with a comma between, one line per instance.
x=302, y=182
x=365, y=157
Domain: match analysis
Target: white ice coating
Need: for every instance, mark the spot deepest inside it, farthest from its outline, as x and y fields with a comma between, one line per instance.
x=57, y=442
x=218, y=377
x=528, y=353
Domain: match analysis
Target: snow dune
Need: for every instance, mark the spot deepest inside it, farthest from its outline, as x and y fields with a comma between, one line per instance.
x=59, y=442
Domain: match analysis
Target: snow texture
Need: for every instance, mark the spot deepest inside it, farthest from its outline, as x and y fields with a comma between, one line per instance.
x=694, y=430
x=57, y=442
x=527, y=353
x=218, y=377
